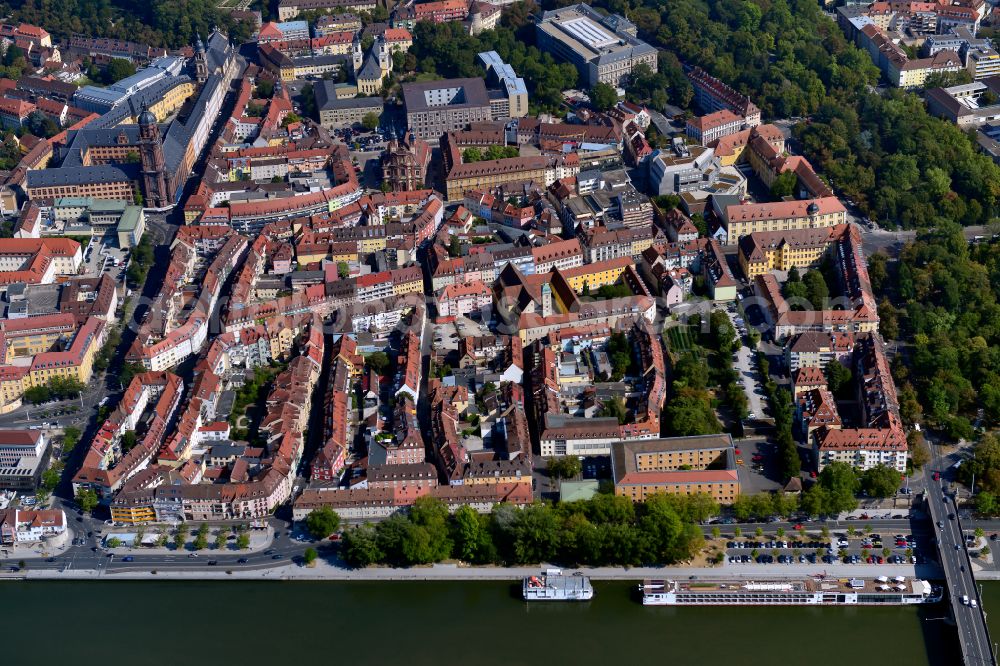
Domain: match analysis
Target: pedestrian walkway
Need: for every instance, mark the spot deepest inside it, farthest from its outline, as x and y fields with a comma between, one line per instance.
x=325, y=570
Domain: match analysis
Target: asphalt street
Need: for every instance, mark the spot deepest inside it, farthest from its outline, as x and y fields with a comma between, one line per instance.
x=970, y=619
x=92, y=556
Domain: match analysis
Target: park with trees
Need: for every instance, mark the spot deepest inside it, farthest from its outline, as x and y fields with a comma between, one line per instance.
x=606, y=530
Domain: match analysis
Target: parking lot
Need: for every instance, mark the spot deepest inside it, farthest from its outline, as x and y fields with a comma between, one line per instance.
x=101, y=259
x=838, y=548
x=759, y=467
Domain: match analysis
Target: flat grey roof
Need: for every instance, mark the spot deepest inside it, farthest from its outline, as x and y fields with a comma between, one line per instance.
x=473, y=91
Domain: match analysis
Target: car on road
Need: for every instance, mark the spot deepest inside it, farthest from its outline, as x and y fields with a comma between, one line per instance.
x=128, y=558
x=213, y=563
x=279, y=556
x=242, y=560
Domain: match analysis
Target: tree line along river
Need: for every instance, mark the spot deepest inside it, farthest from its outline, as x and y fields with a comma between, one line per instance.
x=434, y=623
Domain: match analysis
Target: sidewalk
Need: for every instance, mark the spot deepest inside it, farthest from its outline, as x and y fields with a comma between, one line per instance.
x=448, y=572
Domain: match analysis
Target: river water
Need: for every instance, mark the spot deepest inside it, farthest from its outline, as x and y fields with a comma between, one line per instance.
x=442, y=623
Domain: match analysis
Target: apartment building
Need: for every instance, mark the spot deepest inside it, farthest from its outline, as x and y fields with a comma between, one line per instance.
x=818, y=348
x=289, y=9
x=712, y=95
x=464, y=299
x=863, y=448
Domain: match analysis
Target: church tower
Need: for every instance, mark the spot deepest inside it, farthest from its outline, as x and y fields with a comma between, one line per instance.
x=154, y=166
x=384, y=56
x=357, y=55
x=200, y=61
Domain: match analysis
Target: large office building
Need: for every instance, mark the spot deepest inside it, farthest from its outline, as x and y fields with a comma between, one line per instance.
x=603, y=48
x=436, y=107
x=22, y=453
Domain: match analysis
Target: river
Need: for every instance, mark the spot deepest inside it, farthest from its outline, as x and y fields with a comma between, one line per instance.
x=435, y=623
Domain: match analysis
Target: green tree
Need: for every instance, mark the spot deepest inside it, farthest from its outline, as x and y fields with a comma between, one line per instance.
x=220, y=540
x=309, y=556
x=371, y=121
x=378, y=361
x=880, y=481
x=788, y=452
x=264, y=89
x=920, y=454
x=816, y=289
x=987, y=504
x=128, y=440
x=71, y=437
x=784, y=185
x=118, y=69
x=360, y=546
x=430, y=515
x=38, y=394
x=201, y=537
x=86, y=499
x=114, y=542
x=603, y=96
x=536, y=534
x=322, y=522
x=840, y=481
x=615, y=407
x=243, y=541
x=470, y=534
x=838, y=377
x=565, y=467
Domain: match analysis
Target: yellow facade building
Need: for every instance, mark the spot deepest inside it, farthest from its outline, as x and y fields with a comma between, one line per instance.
x=596, y=275
x=676, y=465
x=765, y=251
x=739, y=219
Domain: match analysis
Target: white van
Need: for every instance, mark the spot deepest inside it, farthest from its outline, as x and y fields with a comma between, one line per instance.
x=974, y=603
x=965, y=600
